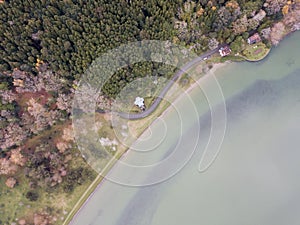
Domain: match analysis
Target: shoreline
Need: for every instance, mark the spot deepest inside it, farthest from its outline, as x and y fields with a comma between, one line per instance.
x=98, y=182
x=100, y=179
x=195, y=84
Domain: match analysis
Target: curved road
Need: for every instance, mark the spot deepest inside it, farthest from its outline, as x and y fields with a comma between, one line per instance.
x=159, y=98
x=150, y=110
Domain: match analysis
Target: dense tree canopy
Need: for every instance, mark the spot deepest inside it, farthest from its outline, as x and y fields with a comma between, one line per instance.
x=70, y=34
x=47, y=45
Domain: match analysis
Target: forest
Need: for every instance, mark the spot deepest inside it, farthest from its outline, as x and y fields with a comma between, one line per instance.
x=46, y=46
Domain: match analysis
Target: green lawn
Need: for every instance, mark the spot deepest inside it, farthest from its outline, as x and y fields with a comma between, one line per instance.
x=12, y=201
x=255, y=52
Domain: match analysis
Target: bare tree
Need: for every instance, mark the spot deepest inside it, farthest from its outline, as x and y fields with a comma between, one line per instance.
x=274, y=6
x=277, y=33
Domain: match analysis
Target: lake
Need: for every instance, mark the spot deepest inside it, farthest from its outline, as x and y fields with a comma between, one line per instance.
x=253, y=180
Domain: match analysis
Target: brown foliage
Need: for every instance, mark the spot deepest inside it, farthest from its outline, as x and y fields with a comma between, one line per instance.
x=41, y=219
x=64, y=102
x=22, y=222
x=68, y=134
x=277, y=33
x=62, y=146
x=11, y=182
x=7, y=167
x=17, y=158
x=12, y=135
x=232, y=4
x=42, y=117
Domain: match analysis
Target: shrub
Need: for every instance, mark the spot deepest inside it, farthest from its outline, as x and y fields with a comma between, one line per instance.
x=32, y=196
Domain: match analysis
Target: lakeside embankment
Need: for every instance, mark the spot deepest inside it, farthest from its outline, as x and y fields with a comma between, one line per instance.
x=162, y=111
x=247, y=88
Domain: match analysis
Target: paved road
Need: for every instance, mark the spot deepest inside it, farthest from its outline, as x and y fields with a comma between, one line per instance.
x=186, y=67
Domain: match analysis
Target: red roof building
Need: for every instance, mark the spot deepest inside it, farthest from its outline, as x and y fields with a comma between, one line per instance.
x=224, y=51
x=254, y=39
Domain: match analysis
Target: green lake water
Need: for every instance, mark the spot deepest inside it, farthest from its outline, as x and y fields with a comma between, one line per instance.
x=253, y=181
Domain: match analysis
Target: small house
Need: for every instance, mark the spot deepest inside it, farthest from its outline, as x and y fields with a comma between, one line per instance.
x=254, y=39
x=224, y=51
x=140, y=103
x=260, y=15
